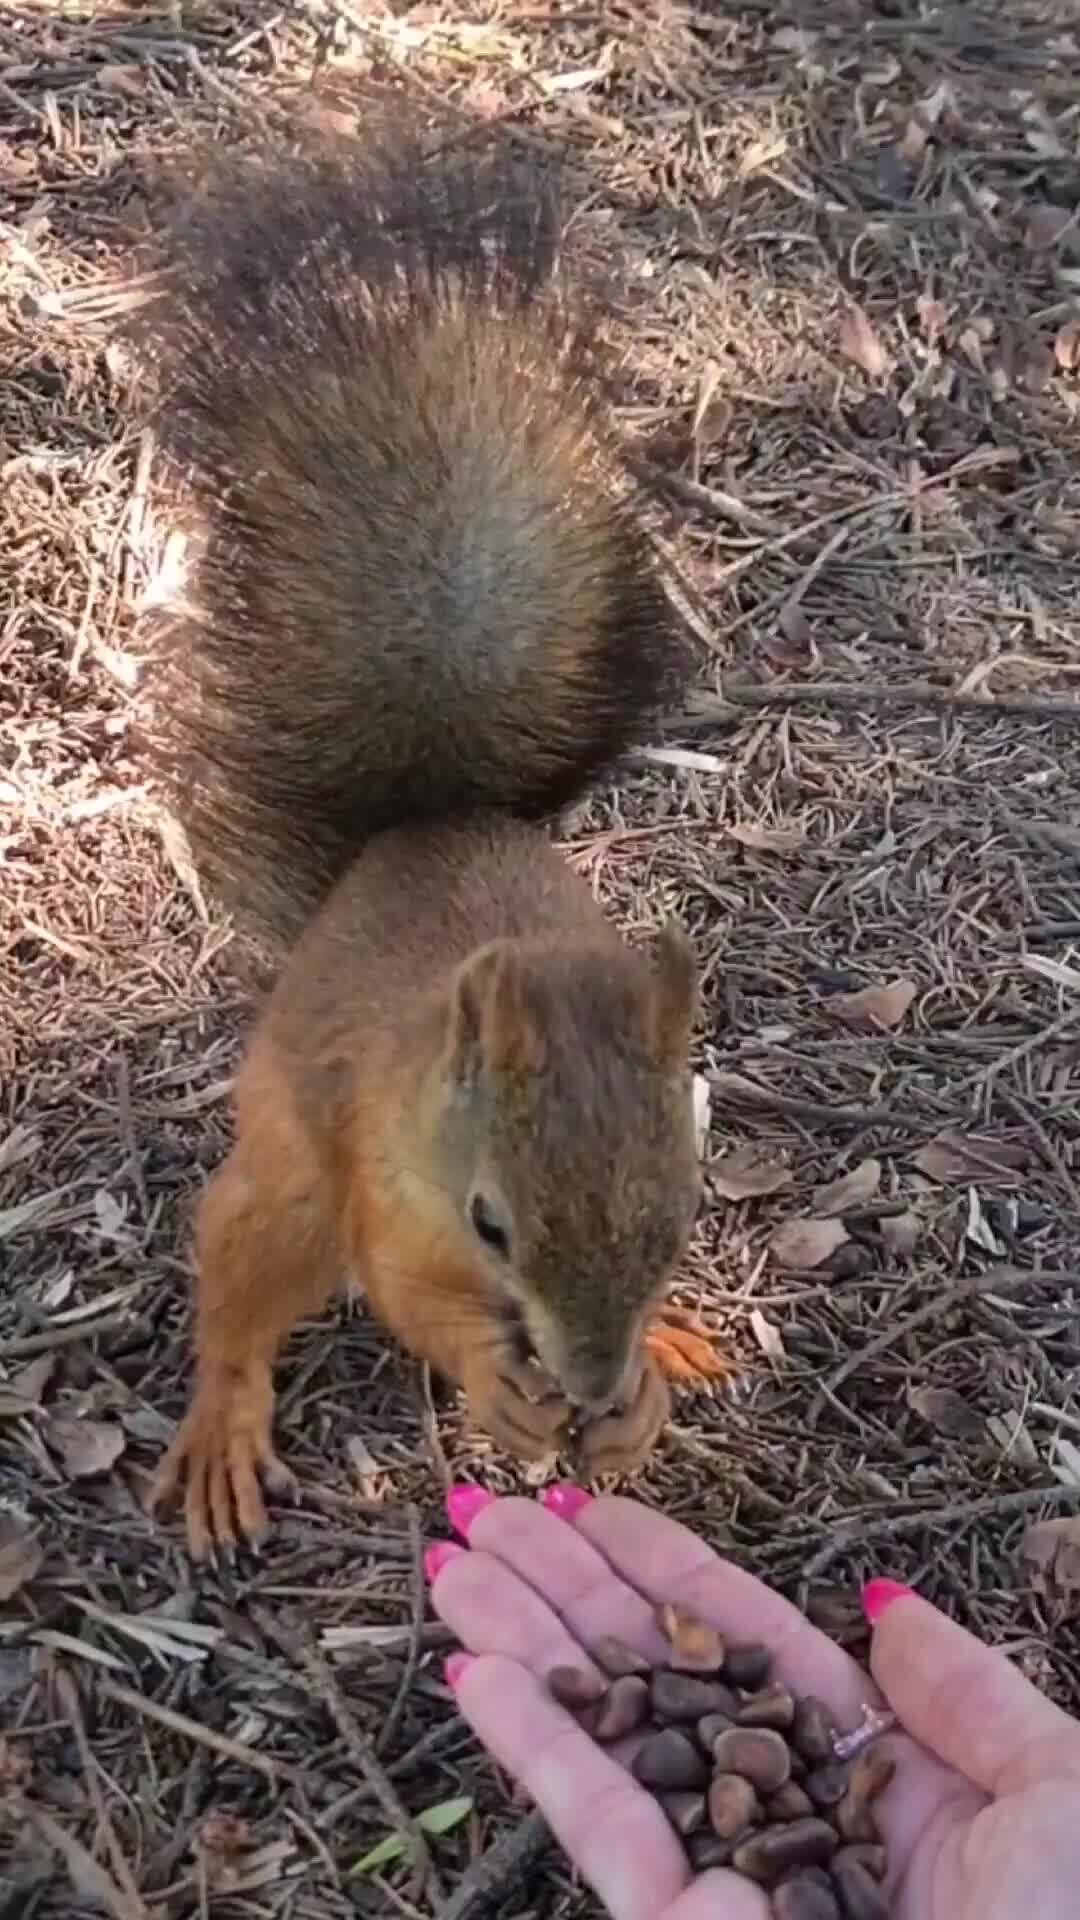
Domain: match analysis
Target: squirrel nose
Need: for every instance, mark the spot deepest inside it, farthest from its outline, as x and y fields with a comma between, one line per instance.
x=599, y=1386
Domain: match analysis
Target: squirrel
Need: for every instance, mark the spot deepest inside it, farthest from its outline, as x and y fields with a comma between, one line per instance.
x=424, y=617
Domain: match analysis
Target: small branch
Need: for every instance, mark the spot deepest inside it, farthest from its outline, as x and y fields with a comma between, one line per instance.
x=67, y=1694
x=735, y=1090
x=318, y=1680
x=87, y=1876
x=865, y=1532
x=707, y=712
x=416, y=1630
x=244, y=1756
x=1003, y=1280
x=500, y=1870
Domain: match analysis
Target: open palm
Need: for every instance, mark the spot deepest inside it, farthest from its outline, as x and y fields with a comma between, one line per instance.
x=981, y=1820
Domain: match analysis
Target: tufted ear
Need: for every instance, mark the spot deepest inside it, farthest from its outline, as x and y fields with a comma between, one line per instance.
x=493, y=1020
x=674, y=999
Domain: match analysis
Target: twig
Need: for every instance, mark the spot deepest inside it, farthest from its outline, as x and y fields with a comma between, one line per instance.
x=999, y=1280
x=860, y=1532
x=416, y=1628
x=245, y=1756
x=27, y=1344
x=738, y=1091
x=317, y=1677
x=496, y=1871
x=87, y=1875
x=708, y=712
x=67, y=1694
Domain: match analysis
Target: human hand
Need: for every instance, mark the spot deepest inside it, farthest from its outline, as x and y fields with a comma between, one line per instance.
x=980, y=1821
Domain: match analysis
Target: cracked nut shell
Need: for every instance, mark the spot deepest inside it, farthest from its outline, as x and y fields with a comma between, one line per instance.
x=695, y=1646
x=772, y=1706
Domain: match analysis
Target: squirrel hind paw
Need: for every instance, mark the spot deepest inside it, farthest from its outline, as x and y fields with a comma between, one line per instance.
x=686, y=1351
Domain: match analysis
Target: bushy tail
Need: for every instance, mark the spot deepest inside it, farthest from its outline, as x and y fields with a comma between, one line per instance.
x=420, y=589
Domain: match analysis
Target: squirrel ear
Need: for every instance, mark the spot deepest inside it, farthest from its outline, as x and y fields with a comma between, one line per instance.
x=491, y=1020
x=674, y=998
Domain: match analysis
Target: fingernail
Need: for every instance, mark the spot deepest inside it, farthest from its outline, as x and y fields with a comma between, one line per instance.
x=878, y=1595
x=565, y=1500
x=437, y=1556
x=456, y=1665
x=463, y=1503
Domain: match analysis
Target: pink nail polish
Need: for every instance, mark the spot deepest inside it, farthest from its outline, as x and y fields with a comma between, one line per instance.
x=463, y=1503
x=456, y=1665
x=437, y=1556
x=878, y=1595
x=565, y=1500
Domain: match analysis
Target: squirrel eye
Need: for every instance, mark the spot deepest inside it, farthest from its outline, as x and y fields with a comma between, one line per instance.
x=488, y=1227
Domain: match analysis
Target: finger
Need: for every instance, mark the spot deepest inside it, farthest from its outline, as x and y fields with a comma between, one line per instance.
x=494, y=1609
x=968, y=1704
x=613, y=1831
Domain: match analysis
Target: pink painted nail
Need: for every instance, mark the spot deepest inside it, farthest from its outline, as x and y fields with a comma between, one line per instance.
x=456, y=1665
x=463, y=1503
x=437, y=1556
x=565, y=1500
x=878, y=1595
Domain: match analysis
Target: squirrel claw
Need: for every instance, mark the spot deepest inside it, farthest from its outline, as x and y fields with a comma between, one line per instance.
x=686, y=1351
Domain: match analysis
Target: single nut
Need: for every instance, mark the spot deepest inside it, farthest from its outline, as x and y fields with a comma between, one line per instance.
x=772, y=1706
x=789, y=1803
x=813, y=1730
x=706, y=1850
x=670, y=1762
x=773, y=1852
x=712, y=1724
x=621, y=1711
x=747, y=1667
x=870, y=1774
x=684, y=1696
x=695, y=1646
x=686, y=1811
x=733, y=1805
x=618, y=1659
x=806, y=1896
x=860, y=1895
x=758, y=1753
x=575, y=1688
x=827, y=1785
x=872, y=1857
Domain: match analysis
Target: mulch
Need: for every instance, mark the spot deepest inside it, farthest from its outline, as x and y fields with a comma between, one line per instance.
x=846, y=248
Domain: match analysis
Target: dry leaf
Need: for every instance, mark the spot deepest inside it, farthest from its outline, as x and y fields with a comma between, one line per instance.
x=962, y=1158
x=768, y=839
x=768, y=1337
x=748, y=1172
x=1007, y=1432
x=900, y=1232
x=130, y=79
x=1067, y=347
x=21, y=1554
x=933, y=316
x=1051, y=1551
x=22, y=1393
x=1067, y=1463
x=861, y=344
x=949, y=1412
x=86, y=1447
x=978, y=1229
x=851, y=1191
x=806, y=1243
x=875, y=1006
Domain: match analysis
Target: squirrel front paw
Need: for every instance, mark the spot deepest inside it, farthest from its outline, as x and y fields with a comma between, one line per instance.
x=517, y=1403
x=219, y=1456
x=618, y=1442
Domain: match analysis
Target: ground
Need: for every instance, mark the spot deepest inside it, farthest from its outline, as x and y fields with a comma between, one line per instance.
x=847, y=268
